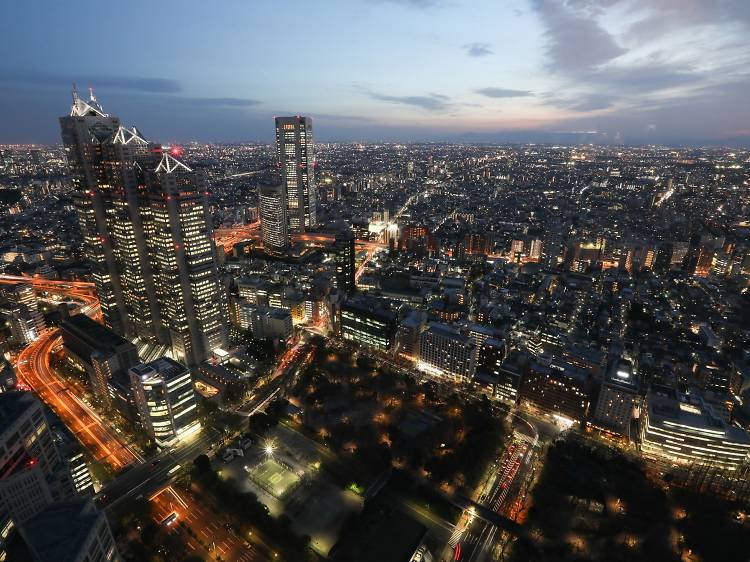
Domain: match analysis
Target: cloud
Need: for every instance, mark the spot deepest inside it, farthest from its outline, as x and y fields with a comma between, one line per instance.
x=431, y=102
x=503, y=93
x=575, y=40
x=585, y=102
x=129, y=83
x=477, y=49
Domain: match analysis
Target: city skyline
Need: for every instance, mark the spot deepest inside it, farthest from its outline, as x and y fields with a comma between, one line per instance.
x=564, y=71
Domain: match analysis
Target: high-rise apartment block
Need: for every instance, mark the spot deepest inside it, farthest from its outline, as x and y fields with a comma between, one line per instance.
x=144, y=219
x=296, y=162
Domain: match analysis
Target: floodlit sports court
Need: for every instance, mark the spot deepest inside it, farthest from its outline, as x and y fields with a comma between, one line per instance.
x=273, y=477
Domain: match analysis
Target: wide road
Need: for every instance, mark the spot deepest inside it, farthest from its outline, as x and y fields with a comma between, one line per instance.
x=34, y=369
x=213, y=536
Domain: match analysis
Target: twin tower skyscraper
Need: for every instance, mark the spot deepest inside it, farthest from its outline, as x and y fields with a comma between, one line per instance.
x=147, y=233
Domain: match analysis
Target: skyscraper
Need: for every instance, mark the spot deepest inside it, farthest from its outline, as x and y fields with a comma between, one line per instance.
x=295, y=159
x=274, y=229
x=343, y=255
x=144, y=219
x=33, y=474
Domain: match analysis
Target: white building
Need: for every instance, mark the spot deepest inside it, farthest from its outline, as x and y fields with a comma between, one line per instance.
x=683, y=430
x=165, y=398
x=443, y=351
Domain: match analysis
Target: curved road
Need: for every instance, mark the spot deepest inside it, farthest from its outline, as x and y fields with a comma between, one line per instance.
x=34, y=369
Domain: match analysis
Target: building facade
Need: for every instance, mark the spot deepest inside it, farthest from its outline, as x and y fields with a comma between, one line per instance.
x=296, y=162
x=144, y=219
x=444, y=351
x=343, y=256
x=686, y=430
x=33, y=474
x=557, y=389
x=165, y=399
x=366, y=323
x=618, y=399
x=274, y=227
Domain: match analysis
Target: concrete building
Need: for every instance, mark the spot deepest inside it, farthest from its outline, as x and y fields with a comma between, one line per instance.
x=165, y=398
x=266, y=323
x=144, y=219
x=296, y=162
x=274, y=227
x=72, y=531
x=443, y=351
x=367, y=322
x=33, y=474
x=103, y=354
x=557, y=388
x=685, y=429
x=618, y=398
x=343, y=256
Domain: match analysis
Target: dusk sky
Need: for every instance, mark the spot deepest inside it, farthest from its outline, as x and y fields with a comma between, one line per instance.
x=633, y=71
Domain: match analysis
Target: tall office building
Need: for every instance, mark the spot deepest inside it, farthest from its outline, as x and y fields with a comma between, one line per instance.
x=84, y=132
x=33, y=474
x=274, y=228
x=144, y=219
x=343, y=255
x=73, y=531
x=295, y=158
x=165, y=399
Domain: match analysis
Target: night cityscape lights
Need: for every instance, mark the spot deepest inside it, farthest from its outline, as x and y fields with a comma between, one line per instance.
x=426, y=316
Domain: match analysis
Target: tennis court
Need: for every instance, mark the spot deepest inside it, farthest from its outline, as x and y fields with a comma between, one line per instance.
x=274, y=478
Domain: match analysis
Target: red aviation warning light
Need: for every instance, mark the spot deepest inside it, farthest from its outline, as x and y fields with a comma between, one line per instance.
x=175, y=151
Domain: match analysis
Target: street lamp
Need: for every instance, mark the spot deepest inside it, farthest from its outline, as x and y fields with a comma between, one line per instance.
x=269, y=448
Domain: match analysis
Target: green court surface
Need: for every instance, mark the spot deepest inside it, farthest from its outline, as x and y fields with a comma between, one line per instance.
x=273, y=477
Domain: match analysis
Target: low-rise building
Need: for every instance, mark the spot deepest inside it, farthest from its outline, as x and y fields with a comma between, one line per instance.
x=685, y=429
x=369, y=323
x=557, y=388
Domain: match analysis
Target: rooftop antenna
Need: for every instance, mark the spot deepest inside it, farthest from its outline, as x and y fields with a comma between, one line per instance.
x=92, y=97
x=75, y=93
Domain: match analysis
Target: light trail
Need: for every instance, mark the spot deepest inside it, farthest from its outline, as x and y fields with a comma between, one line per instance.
x=36, y=372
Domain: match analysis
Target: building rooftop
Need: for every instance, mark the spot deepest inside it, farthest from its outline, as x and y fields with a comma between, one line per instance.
x=93, y=331
x=60, y=531
x=13, y=404
x=166, y=367
x=667, y=406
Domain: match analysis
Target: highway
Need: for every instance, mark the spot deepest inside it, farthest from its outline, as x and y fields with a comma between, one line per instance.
x=475, y=537
x=228, y=237
x=34, y=369
x=33, y=366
